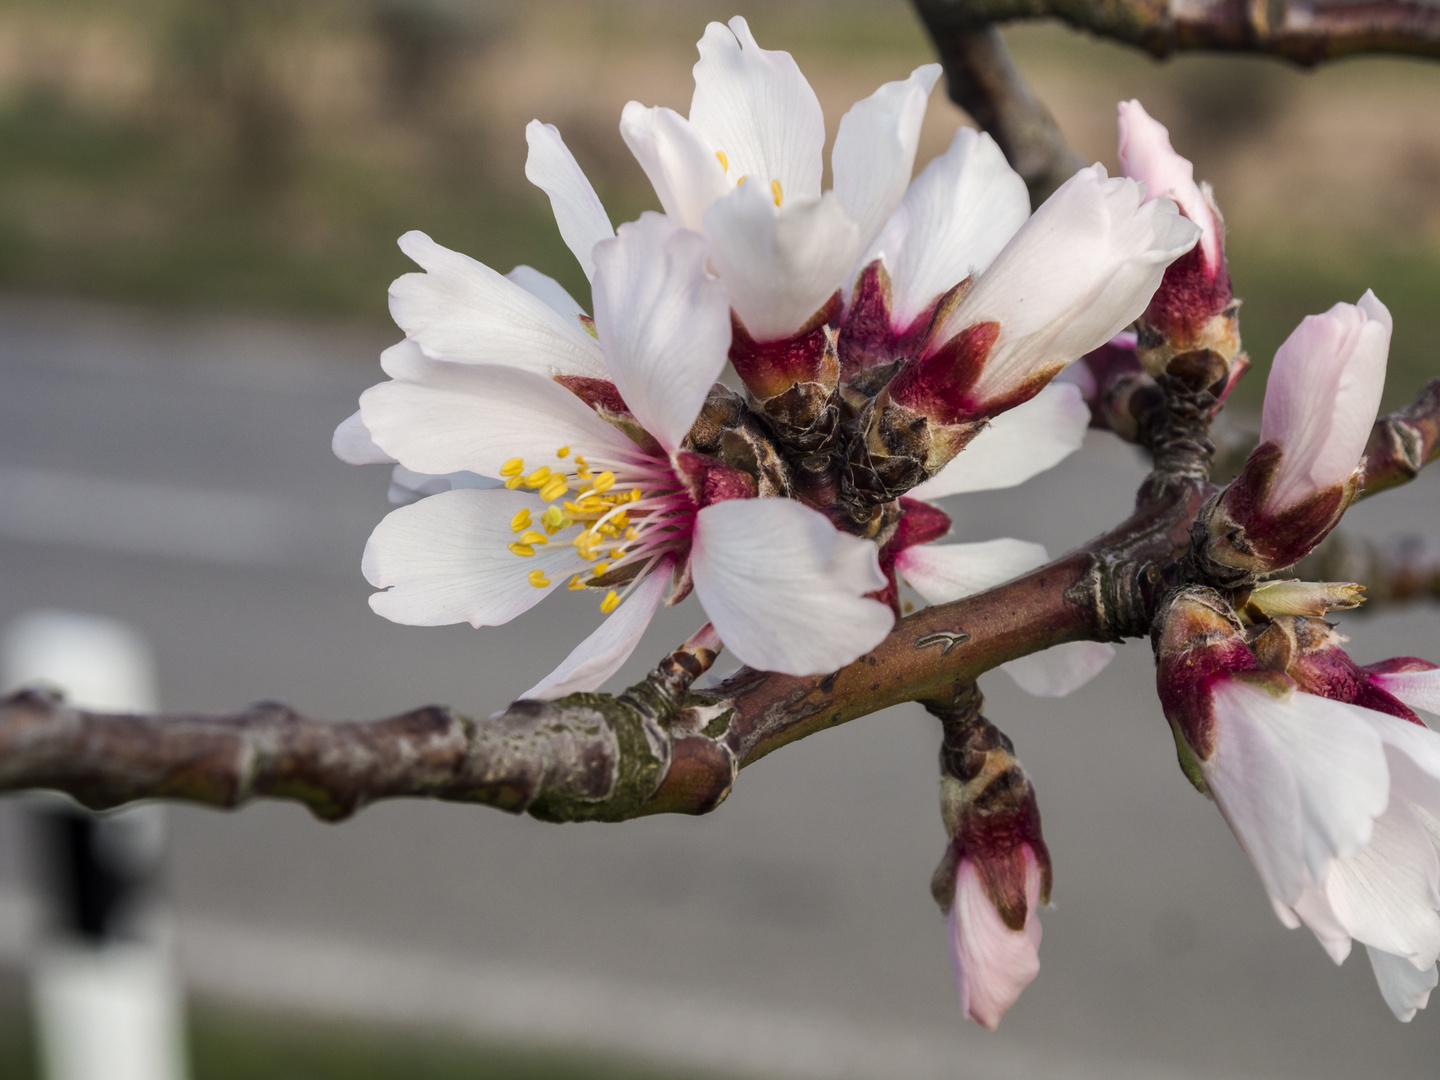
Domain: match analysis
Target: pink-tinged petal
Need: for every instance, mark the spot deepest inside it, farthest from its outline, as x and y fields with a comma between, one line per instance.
x=874, y=152
x=681, y=165
x=957, y=216
x=754, y=106
x=1146, y=155
x=1018, y=444
x=784, y=590
x=1405, y=988
x=780, y=264
x=461, y=310
x=546, y=288
x=1301, y=780
x=1060, y=669
x=1418, y=689
x=663, y=322
x=993, y=963
x=476, y=417
x=1322, y=398
x=603, y=653
x=445, y=560
x=578, y=211
x=944, y=572
x=1080, y=270
x=352, y=444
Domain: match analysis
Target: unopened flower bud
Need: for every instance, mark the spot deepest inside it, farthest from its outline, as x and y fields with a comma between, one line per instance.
x=1320, y=405
x=1193, y=309
x=1309, y=650
x=996, y=870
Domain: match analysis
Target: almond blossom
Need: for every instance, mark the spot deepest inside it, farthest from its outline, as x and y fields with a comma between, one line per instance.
x=1337, y=805
x=588, y=435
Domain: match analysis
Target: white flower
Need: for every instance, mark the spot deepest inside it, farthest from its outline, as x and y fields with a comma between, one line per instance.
x=1146, y=155
x=1338, y=807
x=1080, y=270
x=1017, y=445
x=1322, y=398
x=745, y=169
x=613, y=495
x=992, y=962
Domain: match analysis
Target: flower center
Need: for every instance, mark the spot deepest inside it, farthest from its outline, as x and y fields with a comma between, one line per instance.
x=623, y=511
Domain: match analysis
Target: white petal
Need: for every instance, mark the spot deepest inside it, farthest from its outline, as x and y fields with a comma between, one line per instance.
x=475, y=417
x=408, y=486
x=1060, y=669
x=958, y=214
x=602, y=653
x=352, y=444
x=755, y=106
x=1386, y=896
x=779, y=263
x=784, y=589
x=874, y=150
x=405, y=360
x=1018, y=444
x=993, y=963
x=680, y=164
x=1404, y=988
x=1301, y=780
x=1313, y=908
x=944, y=572
x=461, y=310
x=663, y=322
x=444, y=560
x=1322, y=397
x=1081, y=269
x=546, y=288
x=1418, y=689
x=578, y=212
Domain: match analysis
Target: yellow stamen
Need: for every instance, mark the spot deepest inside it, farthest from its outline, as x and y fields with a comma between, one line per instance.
x=554, y=488
x=538, y=477
x=580, y=460
x=775, y=190
x=514, y=482
x=600, y=569
x=605, y=481
x=611, y=602
x=521, y=521
x=554, y=519
x=564, y=451
x=576, y=584
x=514, y=467
x=635, y=495
x=523, y=550
x=724, y=161
x=538, y=578
x=615, y=553
x=533, y=537
x=741, y=180
x=632, y=533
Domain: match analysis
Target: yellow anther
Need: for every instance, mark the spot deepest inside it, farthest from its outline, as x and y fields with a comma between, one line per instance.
x=615, y=553
x=635, y=495
x=632, y=533
x=741, y=180
x=538, y=578
x=600, y=569
x=514, y=467
x=523, y=550
x=584, y=472
x=621, y=519
x=521, y=521
x=724, y=161
x=775, y=190
x=554, y=488
x=554, y=519
x=605, y=481
x=564, y=451
x=533, y=537
x=538, y=477
x=575, y=584
x=580, y=460
x=611, y=602
x=514, y=482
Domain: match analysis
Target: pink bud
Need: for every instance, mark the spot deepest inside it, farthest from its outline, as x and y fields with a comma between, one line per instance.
x=993, y=960
x=1146, y=155
x=1322, y=399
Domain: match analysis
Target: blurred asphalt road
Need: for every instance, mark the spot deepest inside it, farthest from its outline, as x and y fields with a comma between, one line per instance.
x=177, y=474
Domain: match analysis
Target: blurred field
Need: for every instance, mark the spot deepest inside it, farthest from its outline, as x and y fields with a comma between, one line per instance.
x=264, y=155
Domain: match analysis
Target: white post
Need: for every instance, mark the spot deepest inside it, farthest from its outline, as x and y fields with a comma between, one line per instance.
x=106, y=1001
